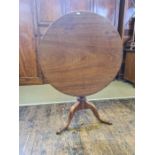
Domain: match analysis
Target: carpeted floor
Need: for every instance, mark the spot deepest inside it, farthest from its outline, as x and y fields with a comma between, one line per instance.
x=86, y=136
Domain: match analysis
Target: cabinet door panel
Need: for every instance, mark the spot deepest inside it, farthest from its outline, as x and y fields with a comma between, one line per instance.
x=27, y=44
x=49, y=10
x=108, y=9
x=76, y=5
x=130, y=67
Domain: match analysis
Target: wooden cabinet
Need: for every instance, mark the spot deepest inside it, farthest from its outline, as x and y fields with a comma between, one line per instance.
x=129, y=73
x=28, y=67
x=35, y=17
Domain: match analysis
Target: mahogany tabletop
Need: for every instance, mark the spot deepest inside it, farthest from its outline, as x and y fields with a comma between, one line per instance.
x=80, y=53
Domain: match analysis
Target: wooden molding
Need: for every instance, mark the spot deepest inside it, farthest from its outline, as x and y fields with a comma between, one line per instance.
x=30, y=81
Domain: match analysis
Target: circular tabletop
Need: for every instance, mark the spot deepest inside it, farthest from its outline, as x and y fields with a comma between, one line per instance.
x=80, y=53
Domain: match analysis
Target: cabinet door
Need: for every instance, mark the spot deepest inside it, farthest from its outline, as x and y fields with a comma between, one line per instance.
x=47, y=12
x=28, y=69
x=130, y=67
x=78, y=5
x=108, y=9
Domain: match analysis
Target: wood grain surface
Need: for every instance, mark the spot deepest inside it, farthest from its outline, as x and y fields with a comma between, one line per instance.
x=129, y=73
x=28, y=66
x=80, y=54
x=86, y=136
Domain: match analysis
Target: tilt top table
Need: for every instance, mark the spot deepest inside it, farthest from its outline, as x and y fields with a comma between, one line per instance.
x=79, y=55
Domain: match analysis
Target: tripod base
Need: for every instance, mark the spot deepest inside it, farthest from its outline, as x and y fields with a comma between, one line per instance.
x=81, y=104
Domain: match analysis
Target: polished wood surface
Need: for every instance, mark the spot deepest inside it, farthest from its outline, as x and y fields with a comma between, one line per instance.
x=28, y=66
x=86, y=135
x=35, y=17
x=80, y=54
x=129, y=73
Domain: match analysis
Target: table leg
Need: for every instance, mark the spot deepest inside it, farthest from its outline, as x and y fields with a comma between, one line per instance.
x=72, y=110
x=78, y=106
x=92, y=107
